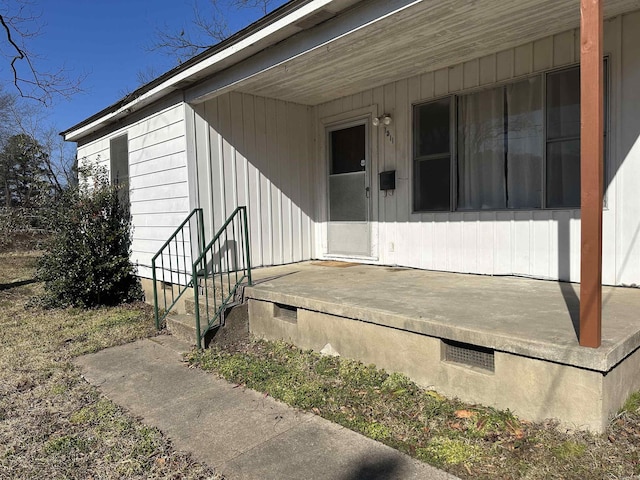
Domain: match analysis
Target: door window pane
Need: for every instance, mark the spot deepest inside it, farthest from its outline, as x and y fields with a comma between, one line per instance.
x=347, y=192
x=347, y=149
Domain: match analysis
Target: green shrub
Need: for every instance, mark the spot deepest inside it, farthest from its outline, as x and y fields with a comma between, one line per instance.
x=86, y=262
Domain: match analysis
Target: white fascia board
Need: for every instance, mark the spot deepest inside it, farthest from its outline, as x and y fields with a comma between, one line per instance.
x=170, y=83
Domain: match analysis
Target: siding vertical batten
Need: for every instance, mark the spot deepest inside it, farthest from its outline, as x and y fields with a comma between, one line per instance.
x=192, y=177
x=210, y=183
x=253, y=143
x=190, y=145
x=616, y=141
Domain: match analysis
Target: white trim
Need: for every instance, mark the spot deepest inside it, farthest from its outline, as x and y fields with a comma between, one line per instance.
x=342, y=120
x=339, y=256
x=192, y=169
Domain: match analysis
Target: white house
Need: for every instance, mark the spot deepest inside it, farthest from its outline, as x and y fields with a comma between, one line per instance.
x=484, y=109
x=440, y=135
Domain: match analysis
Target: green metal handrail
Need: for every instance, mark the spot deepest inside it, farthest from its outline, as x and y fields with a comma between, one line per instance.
x=223, y=265
x=181, y=244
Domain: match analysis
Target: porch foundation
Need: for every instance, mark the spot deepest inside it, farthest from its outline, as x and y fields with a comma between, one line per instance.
x=537, y=378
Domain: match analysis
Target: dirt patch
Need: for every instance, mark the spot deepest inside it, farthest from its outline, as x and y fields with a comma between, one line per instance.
x=234, y=335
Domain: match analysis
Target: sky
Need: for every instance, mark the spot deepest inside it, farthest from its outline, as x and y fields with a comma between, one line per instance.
x=107, y=40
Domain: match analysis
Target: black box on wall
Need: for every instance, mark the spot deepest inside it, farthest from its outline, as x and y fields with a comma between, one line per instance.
x=388, y=180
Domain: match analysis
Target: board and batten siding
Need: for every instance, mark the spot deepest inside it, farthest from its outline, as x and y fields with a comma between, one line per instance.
x=537, y=243
x=158, y=186
x=257, y=152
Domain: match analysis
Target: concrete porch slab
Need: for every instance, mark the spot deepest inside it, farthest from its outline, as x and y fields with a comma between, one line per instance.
x=515, y=339
x=533, y=318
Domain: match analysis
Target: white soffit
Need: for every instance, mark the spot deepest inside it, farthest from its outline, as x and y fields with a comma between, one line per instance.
x=425, y=36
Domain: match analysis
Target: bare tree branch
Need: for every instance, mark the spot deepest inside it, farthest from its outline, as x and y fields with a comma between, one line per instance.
x=146, y=75
x=262, y=5
x=208, y=27
x=30, y=81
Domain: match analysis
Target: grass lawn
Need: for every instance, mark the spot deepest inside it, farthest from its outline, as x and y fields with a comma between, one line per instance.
x=53, y=424
x=470, y=441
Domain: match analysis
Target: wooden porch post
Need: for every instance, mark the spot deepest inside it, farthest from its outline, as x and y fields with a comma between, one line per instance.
x=591, y=171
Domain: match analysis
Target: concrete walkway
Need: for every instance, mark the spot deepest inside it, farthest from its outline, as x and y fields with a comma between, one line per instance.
x=238, y=432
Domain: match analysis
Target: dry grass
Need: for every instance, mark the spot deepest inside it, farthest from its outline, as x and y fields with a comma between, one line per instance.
x=17, y=266
x=470, y=441
x=53, y=424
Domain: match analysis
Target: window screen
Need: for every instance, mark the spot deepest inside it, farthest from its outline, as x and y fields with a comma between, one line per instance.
x=432, y=156
x=563, y=139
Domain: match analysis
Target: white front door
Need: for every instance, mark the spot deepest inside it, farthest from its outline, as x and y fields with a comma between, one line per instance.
x=349, y=230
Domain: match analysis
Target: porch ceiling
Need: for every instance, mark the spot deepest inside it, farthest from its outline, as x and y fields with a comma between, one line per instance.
x=425, y=36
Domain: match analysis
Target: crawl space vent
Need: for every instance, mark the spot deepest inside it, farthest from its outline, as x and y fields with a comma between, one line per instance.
x=468, y=355
x=287, y=313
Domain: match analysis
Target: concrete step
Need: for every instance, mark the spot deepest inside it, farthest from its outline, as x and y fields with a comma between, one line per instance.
x=235, y=325
x=212, y=297
x=219, y=280
x=189, y=303
x=182, y=326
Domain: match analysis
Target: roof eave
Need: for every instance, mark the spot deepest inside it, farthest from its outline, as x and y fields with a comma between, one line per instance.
x=258, y=32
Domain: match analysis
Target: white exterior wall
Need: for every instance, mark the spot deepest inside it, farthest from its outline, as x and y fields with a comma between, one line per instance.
x=159, y=192
x=268, y=154
x=626, y=139
x=257, y=152
x=538, y=243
